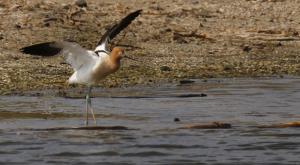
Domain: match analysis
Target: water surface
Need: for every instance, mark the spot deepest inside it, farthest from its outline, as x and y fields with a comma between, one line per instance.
x=155, y=137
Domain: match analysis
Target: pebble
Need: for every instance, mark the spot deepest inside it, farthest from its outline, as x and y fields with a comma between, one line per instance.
x=186, y=81
x=81, y=3
x=192, y=95
x=246, y=48
x=165, y=68
x=176, y=119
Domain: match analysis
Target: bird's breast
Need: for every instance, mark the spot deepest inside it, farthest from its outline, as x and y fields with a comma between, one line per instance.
x=103, y=69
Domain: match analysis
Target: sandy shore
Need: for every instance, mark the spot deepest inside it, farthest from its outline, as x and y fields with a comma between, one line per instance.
x=178, y=39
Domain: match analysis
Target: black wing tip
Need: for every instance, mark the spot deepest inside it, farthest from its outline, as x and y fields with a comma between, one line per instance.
x=117, y=28
x=135, y=13
x=41, y=49
x=138, y=11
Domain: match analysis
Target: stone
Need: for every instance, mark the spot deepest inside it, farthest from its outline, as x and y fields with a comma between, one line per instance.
x=176, y=119
x=186, y=81
x=81, y=3
x=165, y=68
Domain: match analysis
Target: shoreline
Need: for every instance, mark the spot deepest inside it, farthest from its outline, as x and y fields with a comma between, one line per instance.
x=79, y=91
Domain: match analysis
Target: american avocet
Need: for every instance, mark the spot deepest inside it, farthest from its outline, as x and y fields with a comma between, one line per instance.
x=89, y=66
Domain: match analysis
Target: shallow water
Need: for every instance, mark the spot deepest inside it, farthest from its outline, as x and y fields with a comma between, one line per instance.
x=154, y=137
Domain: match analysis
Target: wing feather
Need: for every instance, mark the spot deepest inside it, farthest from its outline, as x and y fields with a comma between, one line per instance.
x=74, y=54
x=42, y=49
x=116, y=29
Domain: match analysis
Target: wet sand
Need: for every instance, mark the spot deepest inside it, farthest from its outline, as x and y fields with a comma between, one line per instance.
x=179, y=39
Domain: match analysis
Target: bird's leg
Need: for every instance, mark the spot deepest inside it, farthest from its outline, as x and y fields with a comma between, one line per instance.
x=89, y=103
x=87, y=109
x=95, y=121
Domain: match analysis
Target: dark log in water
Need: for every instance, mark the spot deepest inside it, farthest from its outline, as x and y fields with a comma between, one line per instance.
x=214, y=125
x=80, y=128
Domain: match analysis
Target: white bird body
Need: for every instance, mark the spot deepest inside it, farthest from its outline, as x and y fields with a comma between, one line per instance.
x=95, y=71
x=92, y=72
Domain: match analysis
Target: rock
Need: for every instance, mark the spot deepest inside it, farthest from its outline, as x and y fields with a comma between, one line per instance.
x=192, y=95
x=246, y=48
x=176, y=119
x=165, y=68
x=186, y=81
x=179, y=39
x=47, y=24
x=228, y=67
x=66, y=6
x=17, y=26
x=195, y=2
x=278, y=44
x=81, y=3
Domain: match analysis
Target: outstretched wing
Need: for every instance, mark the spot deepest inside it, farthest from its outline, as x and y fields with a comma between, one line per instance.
x=42, y=49
x=73, y=53
x=115, y=30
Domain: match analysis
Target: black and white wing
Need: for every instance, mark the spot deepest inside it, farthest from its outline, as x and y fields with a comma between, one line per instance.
x=115, y=30
x=73, y=53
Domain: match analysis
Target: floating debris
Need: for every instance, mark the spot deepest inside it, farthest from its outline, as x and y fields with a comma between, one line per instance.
x=79, y=128
x=192, y=95
x=214, y=125
x=281, y=125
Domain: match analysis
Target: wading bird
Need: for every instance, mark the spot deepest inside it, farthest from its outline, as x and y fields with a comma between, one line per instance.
x=89, y=66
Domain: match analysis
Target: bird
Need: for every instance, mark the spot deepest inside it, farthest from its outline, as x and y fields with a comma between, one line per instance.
x=90, y=66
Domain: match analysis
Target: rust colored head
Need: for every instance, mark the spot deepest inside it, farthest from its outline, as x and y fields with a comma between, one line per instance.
x=116, y=54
